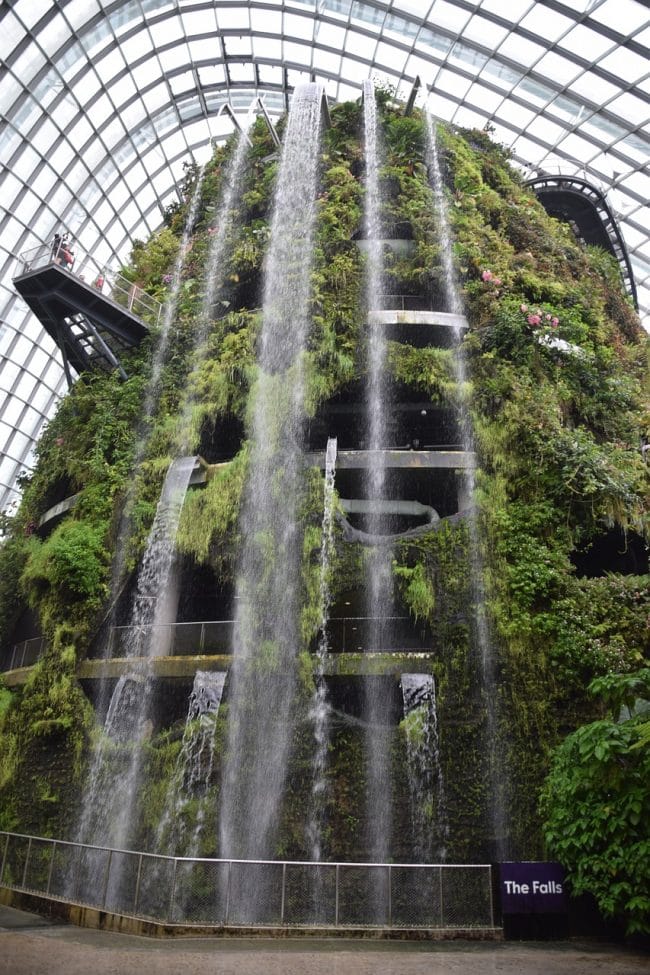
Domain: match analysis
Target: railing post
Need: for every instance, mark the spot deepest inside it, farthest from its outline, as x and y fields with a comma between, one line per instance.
x=491, y=886
x=109, y=864
x=227, y=914
x=29, y=850
x=440, y=888
x=172, y=895
x=282, y=900
x=390, y=896
x=49, y=872
x=4, y=858
x=202, y=638
x=336, y=898
x=137, y=884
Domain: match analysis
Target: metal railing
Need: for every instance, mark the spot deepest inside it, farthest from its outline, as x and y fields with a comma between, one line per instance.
x=388, y=302
x=173, y=639
x=345, y=634
x=108, y=282
x=357, y=634
x=25, y=654
x=259, y=893
x=348, y=634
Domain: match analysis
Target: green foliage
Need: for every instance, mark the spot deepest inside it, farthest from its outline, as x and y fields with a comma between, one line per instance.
x=68, y=569
x=43, y=733
x=596, y=806
x=417, y=589
x=216, y=506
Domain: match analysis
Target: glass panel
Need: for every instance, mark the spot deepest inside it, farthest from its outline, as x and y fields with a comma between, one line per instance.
x=625, y=64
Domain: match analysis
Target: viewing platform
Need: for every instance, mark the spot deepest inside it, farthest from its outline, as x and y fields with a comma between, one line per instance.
x=399, y=645
x=585, y=208
x=92, y=313
x=396, y=459
x=184, y=667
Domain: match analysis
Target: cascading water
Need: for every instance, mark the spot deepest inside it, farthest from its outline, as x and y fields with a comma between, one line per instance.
x=319, y=711
x=192, y=774
x=486, y=649
x=378, y=576
x=151, y=398
x=426, y=786
x=267, y=630
x=110, y=798
x=224, y=225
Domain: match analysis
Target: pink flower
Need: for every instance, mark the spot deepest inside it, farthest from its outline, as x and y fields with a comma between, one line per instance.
x=534, y=319
x=548, y=318
x=59, y=441
x=487, y=275
x=555, y=322
x=497, y=281
x=523, y=308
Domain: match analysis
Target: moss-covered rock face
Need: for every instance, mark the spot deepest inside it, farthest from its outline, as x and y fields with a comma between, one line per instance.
x=555, y=362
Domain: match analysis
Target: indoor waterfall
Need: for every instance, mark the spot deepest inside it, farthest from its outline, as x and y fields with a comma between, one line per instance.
x=267, y=629
x=151, y=394
x=319, y=710
x=426, y=784
x=453, y=304
x=213, y=306
x=378, y=575
x=178, y=834
x=110, y=798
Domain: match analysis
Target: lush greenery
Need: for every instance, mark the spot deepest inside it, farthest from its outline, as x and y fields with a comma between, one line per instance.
x=553, y=383
x=596, y=801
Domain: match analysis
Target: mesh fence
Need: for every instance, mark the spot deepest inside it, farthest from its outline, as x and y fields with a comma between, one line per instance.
x=250, y=893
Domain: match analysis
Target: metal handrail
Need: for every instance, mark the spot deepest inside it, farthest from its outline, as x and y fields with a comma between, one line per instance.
x=108, y=282
x=401, y=302
x=344, y=626
x=53, y=868
x=26, y=653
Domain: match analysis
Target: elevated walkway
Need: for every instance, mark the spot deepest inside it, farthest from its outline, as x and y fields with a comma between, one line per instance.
x=363, y=459
x=92, y=313
x=381, y=664
x=582, y=205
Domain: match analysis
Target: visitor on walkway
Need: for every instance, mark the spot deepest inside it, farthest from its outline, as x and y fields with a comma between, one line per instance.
x=56, y=248
x=66, y=252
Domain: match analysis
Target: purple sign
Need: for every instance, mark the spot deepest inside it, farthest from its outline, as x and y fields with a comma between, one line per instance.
x=532, y=888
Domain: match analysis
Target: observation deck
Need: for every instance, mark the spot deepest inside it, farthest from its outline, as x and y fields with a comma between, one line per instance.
x=92, y=313
x=585, y=208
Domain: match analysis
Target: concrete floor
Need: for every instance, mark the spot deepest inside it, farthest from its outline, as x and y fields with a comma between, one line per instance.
x=30, y=945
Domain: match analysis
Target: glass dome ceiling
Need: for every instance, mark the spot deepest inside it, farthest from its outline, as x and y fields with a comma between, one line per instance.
x=102, y=102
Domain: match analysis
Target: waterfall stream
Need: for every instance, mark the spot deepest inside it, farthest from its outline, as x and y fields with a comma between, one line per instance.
x=319, y=711
x=192, y=776
x=111, y=795
x=483, y=638
x=224, y=225
x=378, y=573
x=426, y=786
x=267, y=629
x=151, y=395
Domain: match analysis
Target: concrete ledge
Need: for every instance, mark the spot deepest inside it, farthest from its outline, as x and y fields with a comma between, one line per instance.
x=14, y=678
x=397, y=317
x=334, y=664
x=90, y=917
x=396, y=459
